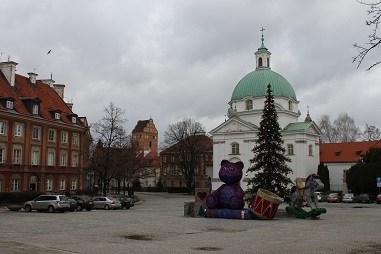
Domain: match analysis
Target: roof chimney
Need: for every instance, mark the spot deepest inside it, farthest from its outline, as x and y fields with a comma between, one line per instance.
x=50, y=82
x=32, y=77
x=9, y=71
x=59, y=88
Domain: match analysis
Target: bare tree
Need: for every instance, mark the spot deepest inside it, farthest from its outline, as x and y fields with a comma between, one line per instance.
x=110, y=153
x=185, y=141
x=345, y=128
x=327, y=130
x=370, y=133
x=374, y=40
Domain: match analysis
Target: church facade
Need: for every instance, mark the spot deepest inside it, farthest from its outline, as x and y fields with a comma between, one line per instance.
x=235, y=138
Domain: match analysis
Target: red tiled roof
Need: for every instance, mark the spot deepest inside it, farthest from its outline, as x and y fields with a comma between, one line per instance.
x=140, y=125
x=345, y=152
x=50, y=100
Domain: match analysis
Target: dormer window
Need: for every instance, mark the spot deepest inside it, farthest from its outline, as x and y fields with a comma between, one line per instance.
x=35, y=109
x=260, y=62
x=57, y=116
x=74, y=119
x=9, y=104
x=249, y=104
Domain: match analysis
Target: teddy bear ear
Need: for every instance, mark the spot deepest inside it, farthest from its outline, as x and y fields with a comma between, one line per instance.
x=239, y=164
x=223, y=162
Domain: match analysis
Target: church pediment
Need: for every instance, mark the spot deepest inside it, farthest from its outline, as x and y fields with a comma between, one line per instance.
x=234, y=125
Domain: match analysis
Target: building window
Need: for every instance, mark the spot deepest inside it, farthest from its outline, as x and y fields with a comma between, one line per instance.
x=63, y=160
x=164, y=159
x=2, y=153
x=172, y=159
x=1, y=185
x=18, y=130
x=15, y=184
x=36, y=133
x=165, y=171
x=9, y=104
x=52, y=135
x=49, y=184
x=35, y=109
x=260, y=62
x=57, y=116
x=75, y=139
x=310, y=150
x=2, y=128
x=268, y=62
x=173, y=169
x=73, y=184
x=74, y=162
x=290, y=105
x=62, y=184
x=64, y=137
x=249, y=104
x=235, y=148
x=17, y=156
x=50, y=159
x=35, y=157
x=290, y=149
x=74, y=119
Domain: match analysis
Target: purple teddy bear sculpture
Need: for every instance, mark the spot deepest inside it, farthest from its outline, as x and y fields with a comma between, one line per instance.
x=230, y=194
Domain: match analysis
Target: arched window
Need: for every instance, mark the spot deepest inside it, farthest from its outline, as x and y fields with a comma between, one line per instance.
x=249, y=104
x=235, y=148
x=290, y=105
x=260, y=62
x=268, y=62
x=310, y=150
x=290, y=149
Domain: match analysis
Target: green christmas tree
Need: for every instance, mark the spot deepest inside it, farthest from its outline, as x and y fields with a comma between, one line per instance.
x=269, y=162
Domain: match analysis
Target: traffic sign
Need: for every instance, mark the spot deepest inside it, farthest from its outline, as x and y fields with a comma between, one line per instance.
x=378, y=179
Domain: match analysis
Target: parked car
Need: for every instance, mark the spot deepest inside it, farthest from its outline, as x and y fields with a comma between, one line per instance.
x=126, y=201
x=334, y=197
x=365, y=198
x=83, y=202
x=50, y=203
x=350, y=198
x=321, y=197
x=73, y=205
x=378, y=199
x=106, y=203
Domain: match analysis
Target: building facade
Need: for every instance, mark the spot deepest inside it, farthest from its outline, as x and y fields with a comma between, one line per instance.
x=44, y=145
x=172, y=176
x=235, y=138
x=340, y=157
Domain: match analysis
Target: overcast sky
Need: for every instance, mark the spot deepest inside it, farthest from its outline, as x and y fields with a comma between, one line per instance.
x=172, y=59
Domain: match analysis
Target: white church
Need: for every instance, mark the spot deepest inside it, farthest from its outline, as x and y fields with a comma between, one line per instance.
x=235, y=138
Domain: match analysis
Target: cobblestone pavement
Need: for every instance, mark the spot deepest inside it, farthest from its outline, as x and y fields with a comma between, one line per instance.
x=157, y=225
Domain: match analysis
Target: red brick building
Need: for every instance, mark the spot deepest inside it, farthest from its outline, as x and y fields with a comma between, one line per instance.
x=43, y=143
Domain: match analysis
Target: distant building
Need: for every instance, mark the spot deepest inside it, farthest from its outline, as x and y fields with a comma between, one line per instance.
x=44, y=145
x=145, y=139
x=339, y=157
x=170, y=174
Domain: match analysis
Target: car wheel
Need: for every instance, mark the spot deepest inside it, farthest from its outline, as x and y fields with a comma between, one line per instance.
x=79, y=208
x=107, y=207
x=28, y=208
x=88, y=209
x=51, y=209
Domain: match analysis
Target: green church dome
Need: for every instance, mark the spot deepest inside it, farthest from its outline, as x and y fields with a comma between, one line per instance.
x=255, y=83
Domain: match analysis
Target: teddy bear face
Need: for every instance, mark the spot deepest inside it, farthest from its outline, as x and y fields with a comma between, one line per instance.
x=230, y=172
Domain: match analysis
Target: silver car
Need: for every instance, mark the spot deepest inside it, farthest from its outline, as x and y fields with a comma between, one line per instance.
x=50, y=203
x=106, y=203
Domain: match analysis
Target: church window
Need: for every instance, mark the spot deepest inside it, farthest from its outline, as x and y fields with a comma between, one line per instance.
x=260, y=62
x=290, y=149
x=249, y=104
x=290, y=105
x=235, y=148
x=268, y=62
x=310, y=150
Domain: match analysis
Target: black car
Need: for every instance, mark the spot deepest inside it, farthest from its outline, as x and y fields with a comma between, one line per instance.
x=126, y=201
x=365, y=198
x=83, y=202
